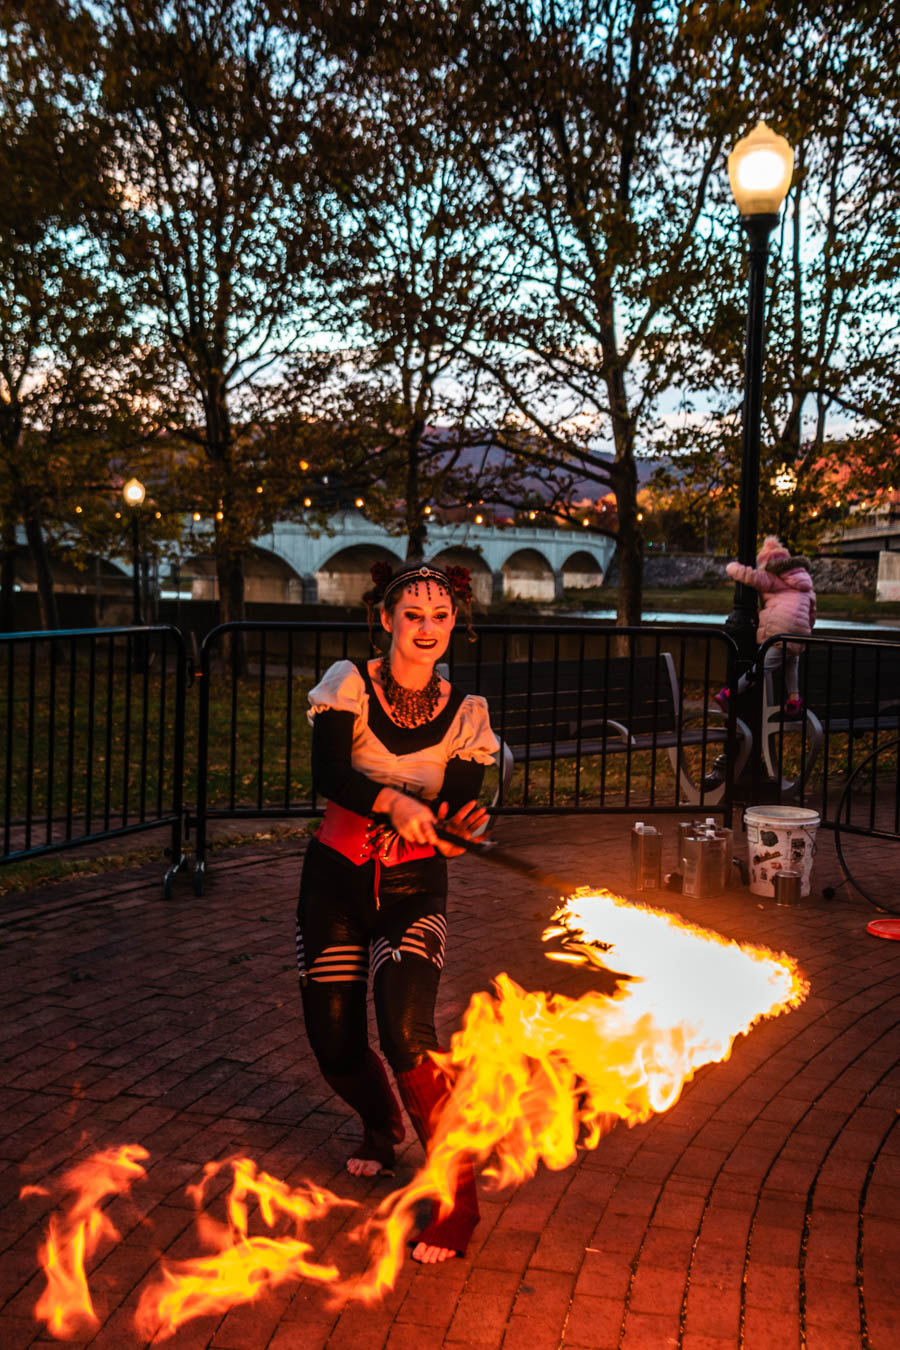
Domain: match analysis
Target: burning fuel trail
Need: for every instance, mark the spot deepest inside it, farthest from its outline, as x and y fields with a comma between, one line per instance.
x=533, y=1077
x=239, y=1265
x=75, y=1231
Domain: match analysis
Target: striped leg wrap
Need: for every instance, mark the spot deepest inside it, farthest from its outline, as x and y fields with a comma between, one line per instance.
x=335, y=964
x=424, y=938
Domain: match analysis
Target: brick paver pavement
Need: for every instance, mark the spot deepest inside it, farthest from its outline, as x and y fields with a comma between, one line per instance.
x=759, y=1212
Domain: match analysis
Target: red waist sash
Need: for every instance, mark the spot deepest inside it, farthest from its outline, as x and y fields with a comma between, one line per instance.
x=360, y=840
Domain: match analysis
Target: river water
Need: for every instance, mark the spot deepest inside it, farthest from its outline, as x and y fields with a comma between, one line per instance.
x=718, y=620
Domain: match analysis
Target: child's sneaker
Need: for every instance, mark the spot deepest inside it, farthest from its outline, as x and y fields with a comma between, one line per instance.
x=793, y=706
x=722, y=698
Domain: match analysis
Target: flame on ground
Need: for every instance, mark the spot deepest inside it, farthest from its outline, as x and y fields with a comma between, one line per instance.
x=240, y=1266
x=532, y=1076
x=75, y=1232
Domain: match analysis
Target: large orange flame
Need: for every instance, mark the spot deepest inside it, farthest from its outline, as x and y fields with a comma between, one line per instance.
x=532, y=1077
x=240, y=1266
x=75, y=1232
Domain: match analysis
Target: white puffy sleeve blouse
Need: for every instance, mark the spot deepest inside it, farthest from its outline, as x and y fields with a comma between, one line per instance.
x=410, y=759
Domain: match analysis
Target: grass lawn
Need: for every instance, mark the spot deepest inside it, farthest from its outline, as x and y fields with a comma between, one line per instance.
x=55, y=868
x=719, y=600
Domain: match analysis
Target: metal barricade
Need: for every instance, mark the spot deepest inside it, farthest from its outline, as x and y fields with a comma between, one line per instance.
x=849, y=712
x=253, y=743
x=92, y=746
x=591, y=718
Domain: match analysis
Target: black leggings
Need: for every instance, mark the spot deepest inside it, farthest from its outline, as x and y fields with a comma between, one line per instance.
x=338, y=921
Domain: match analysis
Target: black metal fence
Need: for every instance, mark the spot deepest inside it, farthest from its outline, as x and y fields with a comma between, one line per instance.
x=591, y=719
x=92, y=744
x=253, y=742
x=836, y=752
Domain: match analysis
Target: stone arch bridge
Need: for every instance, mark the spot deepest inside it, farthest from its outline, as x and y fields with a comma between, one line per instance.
x=332, y=566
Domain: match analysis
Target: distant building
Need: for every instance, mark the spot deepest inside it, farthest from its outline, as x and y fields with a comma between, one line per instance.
x=871, y=528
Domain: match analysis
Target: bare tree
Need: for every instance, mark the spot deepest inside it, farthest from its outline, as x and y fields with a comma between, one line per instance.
x=66, y=363
x=600, y=128
x=212, y=107
x=423, y=271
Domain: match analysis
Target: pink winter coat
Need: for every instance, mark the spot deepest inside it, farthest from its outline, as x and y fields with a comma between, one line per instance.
x=788, y=597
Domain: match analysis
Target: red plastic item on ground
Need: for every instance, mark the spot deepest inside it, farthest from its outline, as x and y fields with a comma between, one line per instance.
x=884, y=928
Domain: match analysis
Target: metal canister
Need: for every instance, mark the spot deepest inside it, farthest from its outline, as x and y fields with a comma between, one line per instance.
x=721, y=859
x=706, y=860
x=646, y=857
x=690, y=863
x=686, y=828
x=787, y=887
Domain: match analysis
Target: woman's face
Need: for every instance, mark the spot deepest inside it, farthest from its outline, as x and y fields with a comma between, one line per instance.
x=420, y=623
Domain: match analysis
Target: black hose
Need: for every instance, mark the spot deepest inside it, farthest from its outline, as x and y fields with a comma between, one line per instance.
x=848, y=875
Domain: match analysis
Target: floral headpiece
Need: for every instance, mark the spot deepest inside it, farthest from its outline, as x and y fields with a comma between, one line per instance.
x=381, y=574
x=460, y=579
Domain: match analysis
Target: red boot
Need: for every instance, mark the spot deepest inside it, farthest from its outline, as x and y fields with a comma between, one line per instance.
x=424, y=1090
x=369, y=1093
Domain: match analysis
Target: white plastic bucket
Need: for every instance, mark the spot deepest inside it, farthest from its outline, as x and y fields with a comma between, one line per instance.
x=780, y=838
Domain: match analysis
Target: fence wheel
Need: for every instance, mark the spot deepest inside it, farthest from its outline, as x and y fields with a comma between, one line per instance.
x=169, y=878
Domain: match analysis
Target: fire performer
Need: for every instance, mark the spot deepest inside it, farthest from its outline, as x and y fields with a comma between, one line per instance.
x=391, y=739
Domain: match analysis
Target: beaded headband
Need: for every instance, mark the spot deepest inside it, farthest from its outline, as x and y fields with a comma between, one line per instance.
x=456, y=580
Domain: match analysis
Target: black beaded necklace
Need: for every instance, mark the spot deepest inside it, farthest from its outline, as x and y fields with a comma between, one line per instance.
x=409, y=707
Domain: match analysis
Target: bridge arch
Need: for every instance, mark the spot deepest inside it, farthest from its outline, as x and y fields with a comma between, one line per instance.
x=269, y=578
x=582, y=570
x=344, y=575
x=482, y=578
x=527, y=575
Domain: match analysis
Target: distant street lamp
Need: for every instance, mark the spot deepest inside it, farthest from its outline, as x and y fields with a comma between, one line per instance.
x=759, y=169
x=133, y=494
x=784, y=482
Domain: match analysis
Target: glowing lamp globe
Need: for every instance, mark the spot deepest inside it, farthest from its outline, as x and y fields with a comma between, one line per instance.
x=760, y=168
x=134, y=492
x=784, y=481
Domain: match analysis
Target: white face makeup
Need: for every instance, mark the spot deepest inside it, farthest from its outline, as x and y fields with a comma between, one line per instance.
x=420, y=625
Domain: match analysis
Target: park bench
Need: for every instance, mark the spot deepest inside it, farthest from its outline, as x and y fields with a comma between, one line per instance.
x=851, y=689
x=549, y=710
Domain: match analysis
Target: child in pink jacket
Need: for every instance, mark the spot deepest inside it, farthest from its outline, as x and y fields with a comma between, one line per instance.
x=788, y=606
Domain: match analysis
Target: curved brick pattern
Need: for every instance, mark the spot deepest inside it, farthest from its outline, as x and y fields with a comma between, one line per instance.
x=760, y=1212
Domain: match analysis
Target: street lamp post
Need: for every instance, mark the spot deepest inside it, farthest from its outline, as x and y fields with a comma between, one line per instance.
x=759, y=170
x=133, y=494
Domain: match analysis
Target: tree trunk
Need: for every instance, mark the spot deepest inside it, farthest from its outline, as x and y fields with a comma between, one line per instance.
x=630, y=551
x=230, y=575
x=416, y=539
x=232, y=607
x=629, y=591
x=416, y=529
x=46, y=596
x=230, y=544
x=8, y=576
